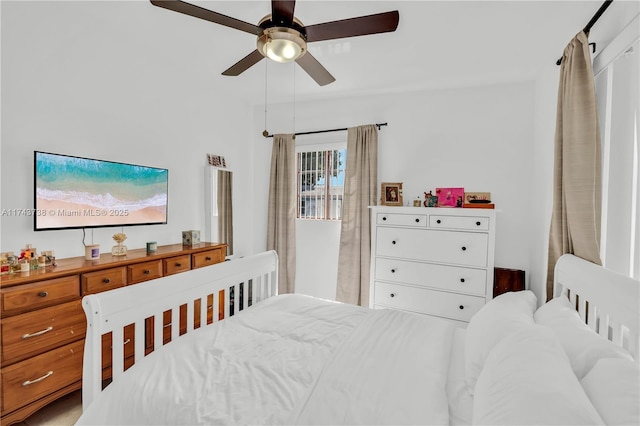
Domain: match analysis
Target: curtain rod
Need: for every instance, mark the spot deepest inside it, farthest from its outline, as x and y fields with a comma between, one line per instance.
x=313, y=132
x=590, y=24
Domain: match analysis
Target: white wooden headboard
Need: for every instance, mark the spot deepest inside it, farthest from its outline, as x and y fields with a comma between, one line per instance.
x=607, y=301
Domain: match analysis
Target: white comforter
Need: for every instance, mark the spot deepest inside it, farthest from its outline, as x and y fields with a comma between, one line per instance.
x=290, y=360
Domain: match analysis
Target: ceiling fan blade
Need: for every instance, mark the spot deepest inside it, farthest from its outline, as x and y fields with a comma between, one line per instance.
x=244, y=64
x=352, y=27
x=315, y=70
x=207, y=15
x=282, y=12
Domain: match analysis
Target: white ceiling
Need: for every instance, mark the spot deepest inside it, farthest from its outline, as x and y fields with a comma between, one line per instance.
x=437, y=43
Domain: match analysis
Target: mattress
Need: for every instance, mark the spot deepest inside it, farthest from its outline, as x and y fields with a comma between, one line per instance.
x=294, y=359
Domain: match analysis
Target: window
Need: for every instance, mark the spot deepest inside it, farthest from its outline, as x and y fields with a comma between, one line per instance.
x=617, y=88
x=320, y=183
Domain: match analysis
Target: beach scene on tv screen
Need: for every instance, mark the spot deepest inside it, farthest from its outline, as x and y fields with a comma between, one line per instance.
x=81, y=192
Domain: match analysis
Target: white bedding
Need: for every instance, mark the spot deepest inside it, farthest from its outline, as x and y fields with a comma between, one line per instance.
x=291, y=360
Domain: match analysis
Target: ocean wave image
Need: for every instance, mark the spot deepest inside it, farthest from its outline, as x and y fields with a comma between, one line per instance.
x=68, y=188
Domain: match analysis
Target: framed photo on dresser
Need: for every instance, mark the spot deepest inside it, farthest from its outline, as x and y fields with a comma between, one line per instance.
x=391, y=194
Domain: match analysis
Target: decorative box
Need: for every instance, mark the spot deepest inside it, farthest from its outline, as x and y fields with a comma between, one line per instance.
x=190, y=238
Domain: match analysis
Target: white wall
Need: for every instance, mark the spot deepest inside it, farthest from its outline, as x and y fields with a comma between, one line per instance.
x=480, y=138
x=88, y=97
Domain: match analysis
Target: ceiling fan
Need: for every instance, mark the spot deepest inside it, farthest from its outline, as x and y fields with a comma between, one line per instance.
x=283, y=38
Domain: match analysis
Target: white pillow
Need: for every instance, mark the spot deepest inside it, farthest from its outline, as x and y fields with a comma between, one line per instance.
x=583, y=346
x=502, y=316
x=613, y=386
x=527, y=380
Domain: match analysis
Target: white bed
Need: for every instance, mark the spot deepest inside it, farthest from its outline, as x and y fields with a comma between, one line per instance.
x=292, y=359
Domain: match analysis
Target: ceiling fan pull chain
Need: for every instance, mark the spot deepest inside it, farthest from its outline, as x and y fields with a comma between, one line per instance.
x=265, y=133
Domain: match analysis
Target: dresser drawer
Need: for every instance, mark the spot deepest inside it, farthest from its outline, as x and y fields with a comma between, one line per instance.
x=108, y=279
x=177, y=264
x=453, y=278
x=29, y=297
x=426, y=301
x=459, y=222
x=32, y=333
x=398, y=219
x=457, y=248
x=207, y=258
x=144, y=271
x=27, y=381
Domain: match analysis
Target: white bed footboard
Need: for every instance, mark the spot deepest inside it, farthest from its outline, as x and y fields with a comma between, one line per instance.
x=607, y=301
x=247, y=280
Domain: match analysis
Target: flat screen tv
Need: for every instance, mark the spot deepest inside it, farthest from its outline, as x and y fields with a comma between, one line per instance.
x=75, y=192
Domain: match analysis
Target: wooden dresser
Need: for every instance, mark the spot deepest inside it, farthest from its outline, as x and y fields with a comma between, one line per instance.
x=434, y=261
x=43, y=324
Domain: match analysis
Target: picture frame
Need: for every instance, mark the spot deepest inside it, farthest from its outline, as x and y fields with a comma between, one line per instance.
x=391, y=194
x=450, y=197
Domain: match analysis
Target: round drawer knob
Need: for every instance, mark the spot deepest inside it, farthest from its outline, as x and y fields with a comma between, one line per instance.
x=478, y=223
x=461, y=307
x=392, y=295
x=393, y=242
x=393, y=271
x=417, y=220
x=464, y=248
x=106, y=281
x=438, y=221
x=461, y=280
x=43, y=294
x=384, y=218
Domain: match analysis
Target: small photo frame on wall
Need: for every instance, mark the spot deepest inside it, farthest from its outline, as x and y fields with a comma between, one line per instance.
x=391, y=194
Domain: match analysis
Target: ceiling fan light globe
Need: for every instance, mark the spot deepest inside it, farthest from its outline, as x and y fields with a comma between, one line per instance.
x=281, y=44
x=282, y=50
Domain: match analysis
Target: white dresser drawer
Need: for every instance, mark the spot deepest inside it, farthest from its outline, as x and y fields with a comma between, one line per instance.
x=459, y=222
x=457, y=248
x=398, y=219
x=453, y=278
x=426, y=301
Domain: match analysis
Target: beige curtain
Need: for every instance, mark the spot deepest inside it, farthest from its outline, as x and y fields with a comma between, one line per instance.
x=360, y=189
x=225, y=209
x=281, y=231
x=575, y=221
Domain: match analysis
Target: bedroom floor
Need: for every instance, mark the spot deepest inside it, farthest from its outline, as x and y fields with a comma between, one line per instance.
x=63, y=412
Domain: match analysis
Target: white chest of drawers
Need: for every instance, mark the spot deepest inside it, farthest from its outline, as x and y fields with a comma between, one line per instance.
x=433, y=261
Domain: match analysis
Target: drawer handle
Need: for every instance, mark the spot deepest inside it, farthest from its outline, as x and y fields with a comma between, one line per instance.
x=393, y=271
x=43, y=294
x=37, y=333
x=384, y=218
x=461, y=306
x=147, y=272
x=417, y=220
x=39, y=379
x=464, y=248
x=392, y=295
x=106, y=281
x=178, y=264
x=208, y=258
x=438, y=221
x=393, y=242
x=461, y=280
x=478, y=223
